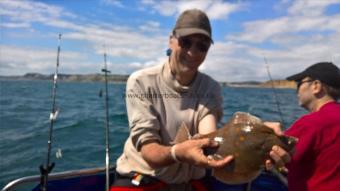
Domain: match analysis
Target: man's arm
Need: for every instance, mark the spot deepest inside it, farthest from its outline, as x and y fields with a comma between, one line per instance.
x=207, y=125
x=190, y=151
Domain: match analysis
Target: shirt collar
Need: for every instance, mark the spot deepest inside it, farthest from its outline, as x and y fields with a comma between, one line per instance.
x=171, y=81
x=327, y=104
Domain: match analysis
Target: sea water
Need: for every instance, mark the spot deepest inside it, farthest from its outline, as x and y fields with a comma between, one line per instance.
x=79, y=132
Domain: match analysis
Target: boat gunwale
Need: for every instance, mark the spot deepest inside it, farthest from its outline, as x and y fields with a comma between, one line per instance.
x=54, y=176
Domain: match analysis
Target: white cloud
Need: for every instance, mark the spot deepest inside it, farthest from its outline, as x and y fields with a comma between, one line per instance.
x=116, y=3
x=121, y=41
x=150, y=26
x=298, y=20
x=21, y=14
x=258, y=31
x=20, y=60
x=133, y=66
x=290, y=42
x=15, y=25
x=229, y=61
x=30, y=11
x=221, y=10
x=310, y=8
x=215, y=9
x=64, y=24
x=238, y=61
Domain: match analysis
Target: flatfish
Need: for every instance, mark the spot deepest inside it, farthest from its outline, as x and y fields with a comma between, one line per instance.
x=249, y=141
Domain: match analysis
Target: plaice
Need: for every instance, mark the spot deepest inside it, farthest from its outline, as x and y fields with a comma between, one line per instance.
x=248, y=140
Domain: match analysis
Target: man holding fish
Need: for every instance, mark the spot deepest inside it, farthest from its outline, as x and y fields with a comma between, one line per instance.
x=159, y=100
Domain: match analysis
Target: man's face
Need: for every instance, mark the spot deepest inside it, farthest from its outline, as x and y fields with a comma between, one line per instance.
x=304, y=92
x=188, y=53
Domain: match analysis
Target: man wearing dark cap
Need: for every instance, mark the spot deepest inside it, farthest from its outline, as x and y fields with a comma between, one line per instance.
x=315, y=165
x=158, y=100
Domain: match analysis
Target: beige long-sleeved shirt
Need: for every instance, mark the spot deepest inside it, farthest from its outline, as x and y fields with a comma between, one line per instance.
x=157, y=105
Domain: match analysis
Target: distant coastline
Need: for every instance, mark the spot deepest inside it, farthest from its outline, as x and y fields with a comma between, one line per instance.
x=69, y=77
x=266, y=84
x=118, y=78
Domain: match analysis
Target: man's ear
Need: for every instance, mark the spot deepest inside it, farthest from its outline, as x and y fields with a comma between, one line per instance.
x=318, y=88
x=171, y=40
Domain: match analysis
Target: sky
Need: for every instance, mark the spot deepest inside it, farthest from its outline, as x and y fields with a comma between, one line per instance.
x=290, y=34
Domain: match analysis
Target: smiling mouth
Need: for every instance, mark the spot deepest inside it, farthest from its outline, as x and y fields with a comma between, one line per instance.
x=191, y=62
x=191, y=65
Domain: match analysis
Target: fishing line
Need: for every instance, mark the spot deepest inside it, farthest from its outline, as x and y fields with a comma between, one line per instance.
x=273, y=170
x=274, y=92
x=45, y=170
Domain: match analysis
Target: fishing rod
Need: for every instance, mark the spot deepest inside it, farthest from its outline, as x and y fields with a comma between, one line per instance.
x=107, y=148
x=45, y=170
x=274, y=92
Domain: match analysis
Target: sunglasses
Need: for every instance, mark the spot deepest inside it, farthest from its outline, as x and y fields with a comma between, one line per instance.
x=187, y=43
x=299, y=83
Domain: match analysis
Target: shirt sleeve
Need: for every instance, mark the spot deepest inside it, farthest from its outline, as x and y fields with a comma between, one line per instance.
x=304, y=130
x=212, y=103
x=143, y=121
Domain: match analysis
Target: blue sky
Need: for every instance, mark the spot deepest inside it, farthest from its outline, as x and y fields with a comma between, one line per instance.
x=290, y=34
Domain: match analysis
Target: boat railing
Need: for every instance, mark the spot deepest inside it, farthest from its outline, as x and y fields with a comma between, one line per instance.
x=53, y=176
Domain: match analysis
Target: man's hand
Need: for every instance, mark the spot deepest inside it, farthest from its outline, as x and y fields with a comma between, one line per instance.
x=275, y=126
x=280, y=157
x=191, y=152
x=278, y=154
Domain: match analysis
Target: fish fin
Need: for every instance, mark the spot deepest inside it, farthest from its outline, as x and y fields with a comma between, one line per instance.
x=244, y=118
x=183, y=134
